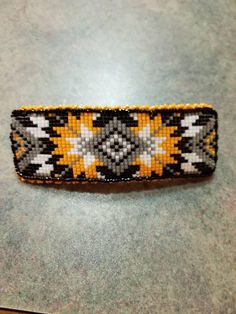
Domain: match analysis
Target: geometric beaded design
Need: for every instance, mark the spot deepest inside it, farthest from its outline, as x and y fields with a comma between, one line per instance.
x=105, y=145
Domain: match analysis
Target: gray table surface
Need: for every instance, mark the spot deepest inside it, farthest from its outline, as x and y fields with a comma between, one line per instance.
x=147, y=248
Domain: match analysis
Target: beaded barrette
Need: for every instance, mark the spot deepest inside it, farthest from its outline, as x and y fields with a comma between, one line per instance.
x=71, y=144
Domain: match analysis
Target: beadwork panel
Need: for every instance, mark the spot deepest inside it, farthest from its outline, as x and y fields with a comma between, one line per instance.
x=113, y=145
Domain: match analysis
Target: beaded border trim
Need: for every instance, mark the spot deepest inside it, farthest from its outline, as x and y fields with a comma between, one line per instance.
x=125, y=107
x=74, y=144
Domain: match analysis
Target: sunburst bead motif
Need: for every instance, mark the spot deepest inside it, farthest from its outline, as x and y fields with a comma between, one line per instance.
x=104, y=144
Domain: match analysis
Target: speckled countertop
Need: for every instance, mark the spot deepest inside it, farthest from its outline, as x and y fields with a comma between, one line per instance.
x=146, y=248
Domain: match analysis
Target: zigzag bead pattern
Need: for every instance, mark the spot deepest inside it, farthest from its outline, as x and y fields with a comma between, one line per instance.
x=104, y=144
